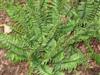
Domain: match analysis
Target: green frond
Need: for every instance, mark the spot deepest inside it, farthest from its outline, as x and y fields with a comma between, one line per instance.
x=44, y=33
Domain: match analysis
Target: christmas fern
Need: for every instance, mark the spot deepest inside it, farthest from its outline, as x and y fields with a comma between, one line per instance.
x=44, y=33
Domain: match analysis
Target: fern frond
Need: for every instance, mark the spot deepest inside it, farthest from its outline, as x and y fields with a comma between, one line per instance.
x=44, y=33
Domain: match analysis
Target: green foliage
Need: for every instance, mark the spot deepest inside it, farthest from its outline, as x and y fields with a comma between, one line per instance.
x=44, y=33
x=96, y=57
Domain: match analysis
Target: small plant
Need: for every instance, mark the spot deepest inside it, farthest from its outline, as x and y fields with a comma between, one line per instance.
x=45, y=33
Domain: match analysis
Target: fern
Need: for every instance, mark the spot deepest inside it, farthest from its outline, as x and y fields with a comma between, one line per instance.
x=44, y=33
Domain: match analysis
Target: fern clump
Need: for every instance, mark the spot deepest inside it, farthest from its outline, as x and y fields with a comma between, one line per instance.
x=44, y=33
